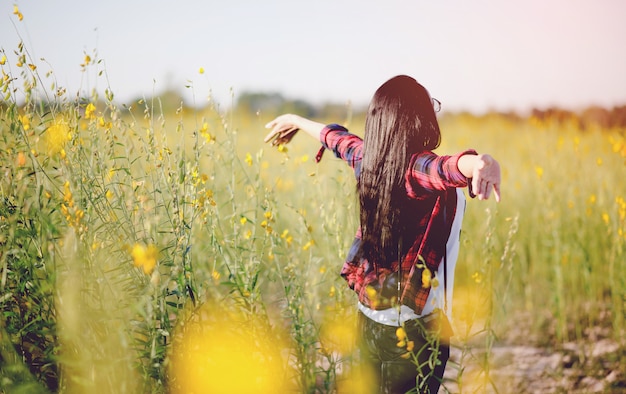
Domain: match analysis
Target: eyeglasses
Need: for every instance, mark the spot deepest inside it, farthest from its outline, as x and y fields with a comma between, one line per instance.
x=436, y=104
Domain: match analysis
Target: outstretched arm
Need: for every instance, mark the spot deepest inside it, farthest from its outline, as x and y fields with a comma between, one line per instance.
x=286, y=126
x=485, y=173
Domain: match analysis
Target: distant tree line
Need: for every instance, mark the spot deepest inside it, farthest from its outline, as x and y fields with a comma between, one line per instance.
x=591, y=116
x=275, y=103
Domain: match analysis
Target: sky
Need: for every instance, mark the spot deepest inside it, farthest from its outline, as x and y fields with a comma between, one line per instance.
x=475, y=56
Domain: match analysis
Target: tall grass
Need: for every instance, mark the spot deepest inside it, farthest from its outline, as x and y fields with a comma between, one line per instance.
x=154, y=249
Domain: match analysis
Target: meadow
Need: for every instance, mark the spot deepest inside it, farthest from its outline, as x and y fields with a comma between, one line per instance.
x=150, y=248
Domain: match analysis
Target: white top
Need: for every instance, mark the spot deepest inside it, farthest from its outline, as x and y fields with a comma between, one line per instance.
x=436, y=297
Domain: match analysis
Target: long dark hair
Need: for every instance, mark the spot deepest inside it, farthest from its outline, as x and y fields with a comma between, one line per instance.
x=400, y=121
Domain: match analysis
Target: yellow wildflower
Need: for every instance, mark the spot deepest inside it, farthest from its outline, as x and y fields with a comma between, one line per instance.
x=282, y=148
x=25, y=121
x=539, y=171
x=426, y=277
x=144, y=257
x=3, y=60
x=243, y=220
x=16, y=11
x=56, y=136
x=201, y=70
x=21, y=159
x=248, y=159
x=89, y=110
x=400, y=334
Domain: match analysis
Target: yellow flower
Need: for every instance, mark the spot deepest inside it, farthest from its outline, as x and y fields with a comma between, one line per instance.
x=89, y=110
x=605, y=218
x=25, y=121
x=477, y=277
x=21, y=159
x=400, y=334
x=539, y=172
x=16, y=11
x=201, y=70
x=3, y=60
x=144, y=257
x=282, y=148
x=249, y=159
x=56, y=136
x=426, y=277
x=410, y=345
x=243, y=220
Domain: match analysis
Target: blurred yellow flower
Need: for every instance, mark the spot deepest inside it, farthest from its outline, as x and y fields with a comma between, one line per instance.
x=477, y=276
x=225, y=356
x=426, y=277
x=21, y=159
x=248, y=159
x=282, y=148
x=89, y=111
x=144, y=257
x=25, y=121
x=56, y=136
x=16, y=11
x=3, y=60
x=539, y=172
x=201, y=70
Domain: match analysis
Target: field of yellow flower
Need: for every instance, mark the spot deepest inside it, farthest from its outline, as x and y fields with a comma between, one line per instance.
x=152, y=249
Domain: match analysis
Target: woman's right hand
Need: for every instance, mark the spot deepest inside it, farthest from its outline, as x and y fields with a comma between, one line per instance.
x=283, y=128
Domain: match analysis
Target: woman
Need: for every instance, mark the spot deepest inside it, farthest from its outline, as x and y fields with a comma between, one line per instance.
x=402, y=261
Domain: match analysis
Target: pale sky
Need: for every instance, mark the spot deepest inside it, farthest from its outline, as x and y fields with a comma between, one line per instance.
x=472, y=55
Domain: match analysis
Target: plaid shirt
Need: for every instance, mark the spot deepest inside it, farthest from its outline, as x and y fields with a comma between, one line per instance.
x=431, y=181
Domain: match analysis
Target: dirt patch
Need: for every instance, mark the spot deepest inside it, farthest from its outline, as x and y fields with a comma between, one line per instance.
x=592, y=367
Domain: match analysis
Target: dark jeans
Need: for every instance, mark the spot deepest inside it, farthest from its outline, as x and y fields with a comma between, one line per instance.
x=421, y=372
